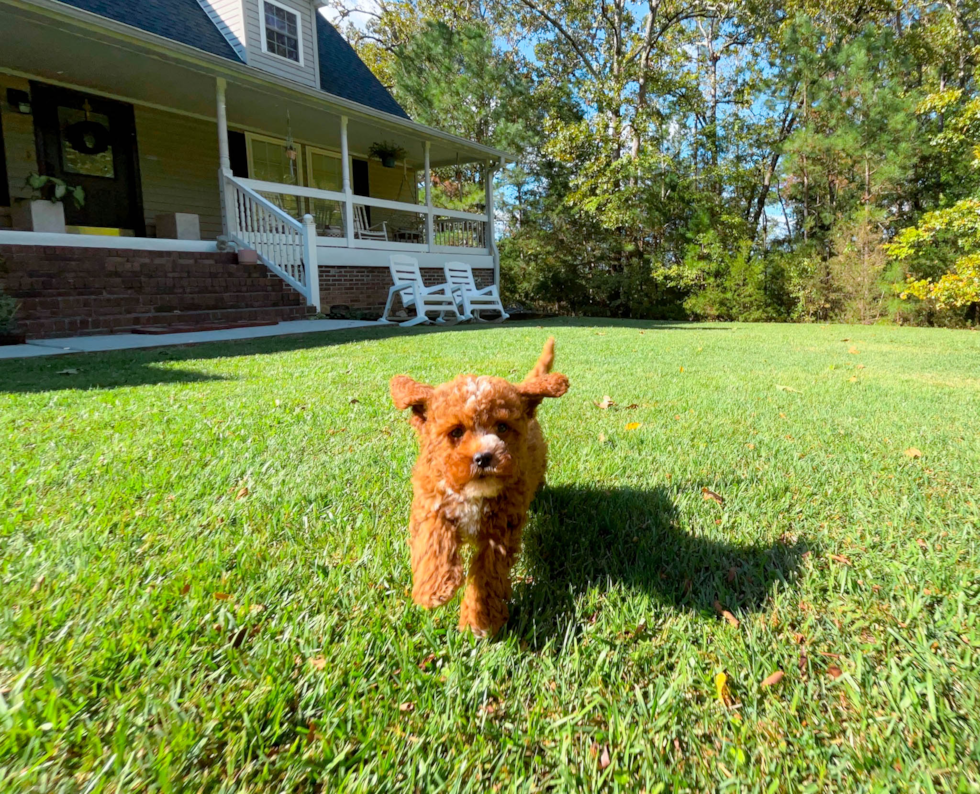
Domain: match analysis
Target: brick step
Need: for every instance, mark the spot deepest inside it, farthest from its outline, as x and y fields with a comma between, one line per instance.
x=67, y=285
x=62, y=267
x=126, y=323
x=92, y=305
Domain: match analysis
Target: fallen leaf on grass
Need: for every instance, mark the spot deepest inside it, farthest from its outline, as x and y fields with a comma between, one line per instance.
x=731, y=575
x=222, y=596
x=69, y=371
x=632, y=406
x=912, y=452
x=773, y=679
x=353, y=401
x=185, y=589
x=37, y=583
x=728, y=616
x=711, y=496
x=853, y=351
x=239, y=637
x=242, y=492
x=682, y=369
x=427, y=661
x=604, y=759
x=632, y=425
x=840, y=558
x=318, y=663
x=860, y=366
x=852, y=379
x=789, y=389
x=834, y=671
x=724, y=693
x=407, y=707
x=607, y=402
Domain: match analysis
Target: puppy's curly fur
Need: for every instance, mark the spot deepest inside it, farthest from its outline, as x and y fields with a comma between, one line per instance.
x=482, y=458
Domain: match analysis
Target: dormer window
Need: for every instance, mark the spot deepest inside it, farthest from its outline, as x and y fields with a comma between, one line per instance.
x=281, y=31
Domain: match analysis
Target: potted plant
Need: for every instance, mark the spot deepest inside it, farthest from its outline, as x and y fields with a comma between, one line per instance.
x=387, y=153
x=8, y=308
x=44, y=210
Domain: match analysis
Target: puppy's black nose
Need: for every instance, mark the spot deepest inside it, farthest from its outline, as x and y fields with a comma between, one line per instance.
x=483, y=459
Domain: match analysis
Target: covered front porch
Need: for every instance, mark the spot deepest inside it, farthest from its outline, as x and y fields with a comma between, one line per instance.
x=282, y=169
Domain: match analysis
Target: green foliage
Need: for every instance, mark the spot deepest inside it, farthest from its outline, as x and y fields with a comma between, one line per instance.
x=49, y=188
x=386, y=151
x=734, y=284
x=8, y=308
x=804, y=136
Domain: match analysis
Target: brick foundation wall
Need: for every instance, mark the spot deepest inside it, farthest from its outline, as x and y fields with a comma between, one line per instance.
x=365, y=289
x=67, y=290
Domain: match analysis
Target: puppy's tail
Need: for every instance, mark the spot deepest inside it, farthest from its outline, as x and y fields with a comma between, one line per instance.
x=547, y=358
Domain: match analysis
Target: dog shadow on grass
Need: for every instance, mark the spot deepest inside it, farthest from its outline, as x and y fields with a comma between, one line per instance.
x=580, y=538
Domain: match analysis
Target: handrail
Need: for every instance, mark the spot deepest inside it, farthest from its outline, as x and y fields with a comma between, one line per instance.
x=268, y=205
x=284, y=245
x=368, y=201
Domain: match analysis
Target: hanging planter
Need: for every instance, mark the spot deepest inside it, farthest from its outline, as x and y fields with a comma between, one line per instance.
x=388, y=153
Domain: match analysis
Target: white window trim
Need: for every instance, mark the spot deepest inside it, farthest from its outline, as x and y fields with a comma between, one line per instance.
x=299, y=32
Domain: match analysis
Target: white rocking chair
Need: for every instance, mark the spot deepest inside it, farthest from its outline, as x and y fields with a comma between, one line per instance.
x=472, y=299
x=362, y=231
x=409, y=285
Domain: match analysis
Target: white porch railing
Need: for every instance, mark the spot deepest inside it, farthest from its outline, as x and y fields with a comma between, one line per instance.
x=406, y=224
x=285, y=245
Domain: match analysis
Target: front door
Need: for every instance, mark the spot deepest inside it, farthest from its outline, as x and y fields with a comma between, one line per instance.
x=90, y=142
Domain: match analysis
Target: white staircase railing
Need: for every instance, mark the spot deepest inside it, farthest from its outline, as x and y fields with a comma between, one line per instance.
x=285, y=245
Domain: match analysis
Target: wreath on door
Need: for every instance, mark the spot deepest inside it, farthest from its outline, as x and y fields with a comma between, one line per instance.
x=87, y=137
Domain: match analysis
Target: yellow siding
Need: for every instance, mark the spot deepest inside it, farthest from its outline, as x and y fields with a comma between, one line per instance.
x=392, y=184
x=178, y=168
x=18, y=138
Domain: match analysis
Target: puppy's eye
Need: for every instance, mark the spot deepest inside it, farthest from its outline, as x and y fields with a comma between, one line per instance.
x=456, y=433
x=502, y=428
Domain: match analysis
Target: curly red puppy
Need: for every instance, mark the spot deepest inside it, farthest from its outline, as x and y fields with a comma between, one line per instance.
x=482, y=458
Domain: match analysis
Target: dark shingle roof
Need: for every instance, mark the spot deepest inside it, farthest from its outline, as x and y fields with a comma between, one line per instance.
x=344, y=74
x=179, y=20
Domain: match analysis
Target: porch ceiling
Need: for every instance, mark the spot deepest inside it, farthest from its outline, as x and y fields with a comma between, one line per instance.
x=67, y=52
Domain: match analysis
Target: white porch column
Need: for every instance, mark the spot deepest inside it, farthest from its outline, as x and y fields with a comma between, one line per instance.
x=228, y=221
x=491, y=241
x=429, y=236
x=345, y=173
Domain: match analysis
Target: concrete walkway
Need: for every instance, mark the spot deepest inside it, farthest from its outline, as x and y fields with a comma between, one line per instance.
x=98, y=344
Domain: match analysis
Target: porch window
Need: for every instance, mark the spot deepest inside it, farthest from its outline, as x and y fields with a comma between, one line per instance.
x=324, y=172
x=280, y=31
x=268, y=161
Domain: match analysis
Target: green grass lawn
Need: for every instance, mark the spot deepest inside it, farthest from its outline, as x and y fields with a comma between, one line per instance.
x=204, y=570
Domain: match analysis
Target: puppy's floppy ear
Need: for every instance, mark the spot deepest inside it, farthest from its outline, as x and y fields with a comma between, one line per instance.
x=534, y=390
x=407, y=393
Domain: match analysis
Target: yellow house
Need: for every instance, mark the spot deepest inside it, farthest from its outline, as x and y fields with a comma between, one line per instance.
x=197, y=125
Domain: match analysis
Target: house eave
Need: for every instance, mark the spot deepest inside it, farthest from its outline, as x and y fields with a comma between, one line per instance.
x=240, y=73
